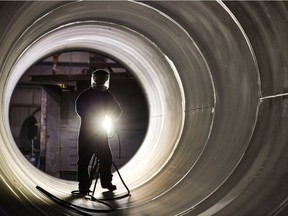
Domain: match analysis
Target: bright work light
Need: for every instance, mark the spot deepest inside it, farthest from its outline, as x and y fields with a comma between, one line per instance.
x=107, y=124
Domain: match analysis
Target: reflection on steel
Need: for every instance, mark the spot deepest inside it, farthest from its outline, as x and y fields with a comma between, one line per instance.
x=213, y=146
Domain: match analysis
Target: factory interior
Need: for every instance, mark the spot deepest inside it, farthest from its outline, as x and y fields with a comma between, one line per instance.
x=203, y=88
x=43, y=120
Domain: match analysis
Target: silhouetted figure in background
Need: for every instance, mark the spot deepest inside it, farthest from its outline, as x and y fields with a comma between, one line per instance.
x=29, y=142
x=92, y=105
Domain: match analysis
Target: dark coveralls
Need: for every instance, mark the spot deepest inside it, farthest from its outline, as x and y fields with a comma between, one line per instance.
x=92, y=105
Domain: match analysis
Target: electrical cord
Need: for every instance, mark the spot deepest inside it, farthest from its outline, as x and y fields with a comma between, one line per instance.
x=112, y=198
x=94, y=169
x=83, y=210
x=76, y=208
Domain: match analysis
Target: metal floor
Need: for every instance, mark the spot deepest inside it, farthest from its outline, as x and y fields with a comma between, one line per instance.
x=216, y=78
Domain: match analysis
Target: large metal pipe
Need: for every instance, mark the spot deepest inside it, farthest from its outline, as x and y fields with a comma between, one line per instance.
x=215, y=77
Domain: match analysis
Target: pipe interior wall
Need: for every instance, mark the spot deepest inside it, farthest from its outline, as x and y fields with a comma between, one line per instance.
x=215, y=78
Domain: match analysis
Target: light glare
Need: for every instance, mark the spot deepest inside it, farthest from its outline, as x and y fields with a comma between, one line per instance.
x=107, y=124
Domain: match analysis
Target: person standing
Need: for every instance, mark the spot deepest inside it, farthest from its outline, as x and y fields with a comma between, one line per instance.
x=93, y=105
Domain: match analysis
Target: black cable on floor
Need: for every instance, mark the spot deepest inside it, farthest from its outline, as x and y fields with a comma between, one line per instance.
x=76, y=208
x=93, y=171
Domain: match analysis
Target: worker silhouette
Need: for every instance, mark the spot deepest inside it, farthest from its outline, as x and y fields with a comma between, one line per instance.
x=93, y=105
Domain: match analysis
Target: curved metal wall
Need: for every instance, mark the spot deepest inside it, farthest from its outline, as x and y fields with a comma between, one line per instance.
x=215, y=76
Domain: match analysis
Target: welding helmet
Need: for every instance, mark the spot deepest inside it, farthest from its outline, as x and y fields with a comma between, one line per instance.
x=100, y=79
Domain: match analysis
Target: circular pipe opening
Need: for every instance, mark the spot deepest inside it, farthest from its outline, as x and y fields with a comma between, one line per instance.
x=157, y=77
x=46, y=132
x=197, y=88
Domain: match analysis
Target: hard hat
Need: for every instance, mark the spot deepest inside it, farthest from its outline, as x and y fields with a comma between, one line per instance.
x=100, y=79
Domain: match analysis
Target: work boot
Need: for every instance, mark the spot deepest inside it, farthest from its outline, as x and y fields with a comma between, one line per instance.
x=110, y=187
x=106, y=179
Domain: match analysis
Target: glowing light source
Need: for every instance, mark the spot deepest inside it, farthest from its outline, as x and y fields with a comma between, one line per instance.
x=107, y=124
